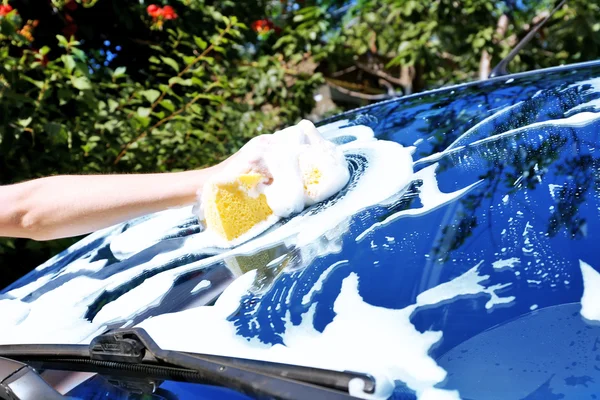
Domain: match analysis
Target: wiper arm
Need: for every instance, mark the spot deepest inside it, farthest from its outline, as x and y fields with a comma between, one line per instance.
x=500, y=68
x=130, y=347
x=20, y=381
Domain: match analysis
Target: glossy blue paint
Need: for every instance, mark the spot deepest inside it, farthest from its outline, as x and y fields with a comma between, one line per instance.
x=538, y=202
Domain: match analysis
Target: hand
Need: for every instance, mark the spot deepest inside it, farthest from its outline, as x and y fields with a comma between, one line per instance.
x=250, y=158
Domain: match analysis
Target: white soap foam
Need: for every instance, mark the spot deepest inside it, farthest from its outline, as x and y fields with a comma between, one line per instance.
x=57, y=316
x=494, y=298
x=13, y=311
x=149, y=232
x=103, y=234
x=390, y=359
x=590, y=300
x=463, y=139
x=576, y=120
x=381, y=157
x=332, y=127
x=430, y=195
x=595, y=87
x=506, y=263
x=318, y=286
x=327, y=228
x=80, y=265
x=396, y=350
x=29, y=288
x=356, y=131
x=203, y=284
x=145, y=296
x=554, y=190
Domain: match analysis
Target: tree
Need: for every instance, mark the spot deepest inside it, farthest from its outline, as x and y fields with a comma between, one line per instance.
x=111, y=86
x=412, y=45
x=102, y=86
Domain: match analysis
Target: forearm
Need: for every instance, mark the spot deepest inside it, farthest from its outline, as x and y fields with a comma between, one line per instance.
x=63, y=206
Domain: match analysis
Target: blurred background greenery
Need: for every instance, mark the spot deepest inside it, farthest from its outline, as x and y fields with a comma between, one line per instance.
x=117, y=86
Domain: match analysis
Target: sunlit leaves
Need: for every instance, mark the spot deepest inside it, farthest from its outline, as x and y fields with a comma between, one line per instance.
x=81, y=83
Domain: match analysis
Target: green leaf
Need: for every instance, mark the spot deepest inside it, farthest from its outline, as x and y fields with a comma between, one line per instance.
x=79, y=54
x=180, y=81
x=479, y=42
x=68, y=62
x=44, y=50
x=200, y=43
x=154, y=60
x=81, y=83
x=62, y=41
x=119, y=71
x=112, y=105
x=39, y=84
x=25, y=122
x=170, y=62
x=143, y=112
x=151, y=95
x=168, y=104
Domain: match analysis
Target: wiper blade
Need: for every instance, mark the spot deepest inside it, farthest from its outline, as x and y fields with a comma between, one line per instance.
x=131, y=347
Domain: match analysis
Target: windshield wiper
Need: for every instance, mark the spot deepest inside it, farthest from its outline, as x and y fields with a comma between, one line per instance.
x=126, y=349
x=500, y=68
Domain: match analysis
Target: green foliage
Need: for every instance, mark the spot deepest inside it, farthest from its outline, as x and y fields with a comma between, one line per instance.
x=199, y=93
x=446, y=41
x=106, y=86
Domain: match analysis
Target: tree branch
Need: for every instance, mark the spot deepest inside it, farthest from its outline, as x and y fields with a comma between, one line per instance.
x=380, y=74
x=344, y=71
x=362, y=95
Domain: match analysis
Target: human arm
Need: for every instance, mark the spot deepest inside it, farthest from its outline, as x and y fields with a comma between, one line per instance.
x=71, y=205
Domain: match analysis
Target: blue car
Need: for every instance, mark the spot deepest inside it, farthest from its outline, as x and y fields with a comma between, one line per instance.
x=461, y=261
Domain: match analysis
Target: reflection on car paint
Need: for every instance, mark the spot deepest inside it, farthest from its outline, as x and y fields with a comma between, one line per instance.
x=474, y=278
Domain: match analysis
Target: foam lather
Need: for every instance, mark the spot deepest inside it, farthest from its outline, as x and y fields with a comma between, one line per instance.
x=272, y=177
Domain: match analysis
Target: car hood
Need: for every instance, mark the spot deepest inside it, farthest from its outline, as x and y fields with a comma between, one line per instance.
x=468, y=207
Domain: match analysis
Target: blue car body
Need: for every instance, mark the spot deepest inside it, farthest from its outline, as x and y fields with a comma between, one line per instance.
x=475, y=277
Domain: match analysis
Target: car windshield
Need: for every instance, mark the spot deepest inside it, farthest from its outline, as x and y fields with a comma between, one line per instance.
x=473, y=275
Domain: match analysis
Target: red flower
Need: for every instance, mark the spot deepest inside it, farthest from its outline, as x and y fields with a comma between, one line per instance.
x=154, y=11
x=5, y=9
x=262, y=26
x=158, y=14
x=169, y=13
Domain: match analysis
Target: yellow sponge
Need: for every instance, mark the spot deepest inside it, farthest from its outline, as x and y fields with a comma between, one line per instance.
x=230, y=211
x=311, y=179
